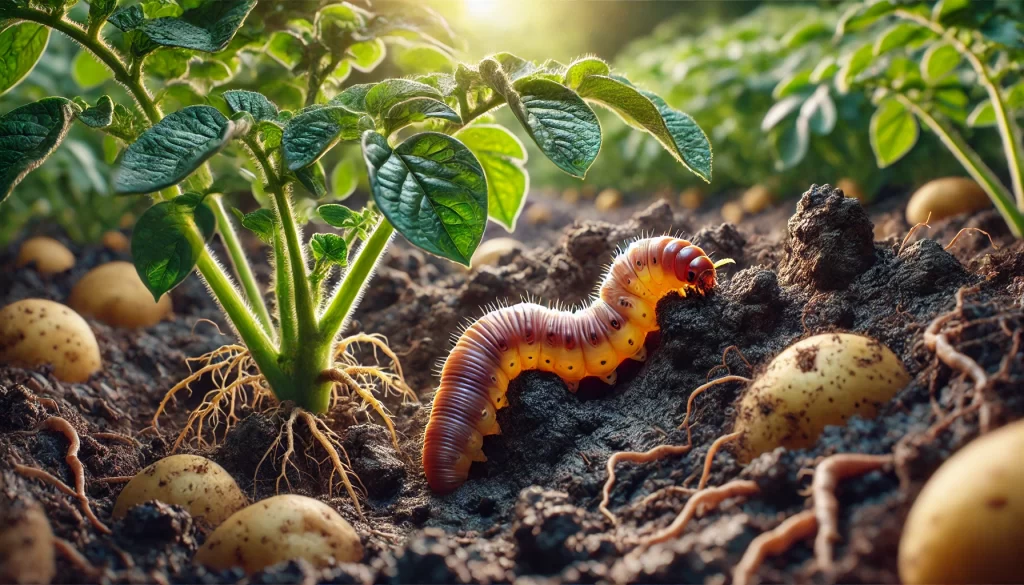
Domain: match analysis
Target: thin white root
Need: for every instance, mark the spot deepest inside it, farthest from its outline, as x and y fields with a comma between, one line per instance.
x=773, y=542
x=702, y=501
x=329, y=441
x=827, y=475
x=342, y=377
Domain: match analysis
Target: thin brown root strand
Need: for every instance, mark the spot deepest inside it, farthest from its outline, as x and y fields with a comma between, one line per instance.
x=712, y=451
x=232, y=351
x=117, y=438
x=72, y=554
x=218, y=409
x=330, y=444
x=60, y=425
x=343, y=378
x=114, y=479
x=971, y=229
x=700, y=502
x=378, y=342
x=724, y=365
x=288, y=433
x=654, y=454
x=49, y=403
x=700, y=390
x=916, y=227
x=826, y=506
x=773, y=542
x=672, y=489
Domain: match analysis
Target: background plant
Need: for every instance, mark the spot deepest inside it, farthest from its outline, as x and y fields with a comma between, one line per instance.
x=436, y=187
x=952, y=67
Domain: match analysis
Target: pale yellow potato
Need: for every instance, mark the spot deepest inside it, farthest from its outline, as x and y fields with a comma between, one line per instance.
x=195, y=483
x=691, y=198
x=817, y=382
x=946, y=197
x=756, y=199
x=539, y=214
x=571, y=195
x=967, y=524
x=34, y=332
x=49, y=255
x=851, y=188
x=114, y=293
x=26, y=546
x=608, y=199
x=279, y=529
x=490, y=251
x=115, y=241
x=732, y=212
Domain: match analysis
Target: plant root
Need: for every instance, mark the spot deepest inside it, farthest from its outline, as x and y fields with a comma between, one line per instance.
x=395, y=380
x=701, y=501
x=328, y=441
x=827, y=475
x=56, y=423
x=662, y=451
x=971, y=229
x=345, y=380
x=916, y=227
x=72, y=554
x=773, y=542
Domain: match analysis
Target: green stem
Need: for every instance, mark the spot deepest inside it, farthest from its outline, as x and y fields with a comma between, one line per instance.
x=1009, y=130
x=973, y=164
x=355, y=280
x=240, y=262
x=285, y=297
x=259, y=345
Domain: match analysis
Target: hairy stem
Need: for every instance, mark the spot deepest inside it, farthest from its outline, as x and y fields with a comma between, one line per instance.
x=358, y=274
x=285, y=297
x=976, y=167
x=1009, y=130
x=241, y=263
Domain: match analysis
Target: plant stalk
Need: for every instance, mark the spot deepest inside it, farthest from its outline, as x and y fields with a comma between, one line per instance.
x=285, y=297
x=358, y=274
x=976, y=167
x=241, y=263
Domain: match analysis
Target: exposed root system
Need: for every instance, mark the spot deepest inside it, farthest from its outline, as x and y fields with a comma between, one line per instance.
x=774, y=542
x=701, y=501
x=827, y=475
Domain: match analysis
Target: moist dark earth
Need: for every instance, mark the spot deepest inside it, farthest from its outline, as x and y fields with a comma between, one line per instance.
x=817, y=263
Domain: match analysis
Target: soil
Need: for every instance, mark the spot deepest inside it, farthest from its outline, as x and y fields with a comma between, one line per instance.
x=530, y=513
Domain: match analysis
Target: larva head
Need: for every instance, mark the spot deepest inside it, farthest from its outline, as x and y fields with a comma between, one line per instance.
x=694, y=269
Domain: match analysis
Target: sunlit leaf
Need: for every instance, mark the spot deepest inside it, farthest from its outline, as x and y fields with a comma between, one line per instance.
x=21, y=45
x=30, y=134
x=311, y=134
x=938, y=61
x=893, y=132
x=503, y=158
x=168, y=240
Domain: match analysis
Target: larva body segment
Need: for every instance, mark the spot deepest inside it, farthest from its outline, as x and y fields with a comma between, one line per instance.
x=592, y=341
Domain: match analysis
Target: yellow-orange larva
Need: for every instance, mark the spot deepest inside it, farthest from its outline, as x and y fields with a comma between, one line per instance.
x=589, y=342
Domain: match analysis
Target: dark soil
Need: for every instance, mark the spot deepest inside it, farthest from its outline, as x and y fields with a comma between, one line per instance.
x=530, y=512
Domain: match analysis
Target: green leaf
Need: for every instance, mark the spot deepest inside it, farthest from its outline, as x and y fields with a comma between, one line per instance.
x=21, y=45
x=286, y=48
x=792, y=84
x=938, y=61
x=690, y=140
x=825, y=69
x=432, y=189
x=313, y=179
x=168, y=240
x=260, y=222
x=944, y=8
x=514, y=67
x=893, y=132
x=503, y=158
x=127, y=18
x=852, y=64
x=421, y=59
x=862, y=15
x=353, y=98
x=329, y=248
x=168, y=152
x=344, y=179
x=257, y=104
x=416, y=110
x=780, y=111
x=639, y=111
x=207, y=74
x=339, y=216
x=982, y=116
x=896, y=36
x=820, y=112
x=99, y=116
x=28, y=135
x=311, y=134
x=335, y=22
x=367, y=55
x=555, y=117
x=87, y=71
x=793, y=144
x=208, y=27
x=99, y=10
x=168, y=62
x=583, y=68
x=383, y=96
x=805, y=33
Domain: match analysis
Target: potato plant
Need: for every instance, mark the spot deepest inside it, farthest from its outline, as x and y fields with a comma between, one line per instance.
x=436, y=169
x=952, y=66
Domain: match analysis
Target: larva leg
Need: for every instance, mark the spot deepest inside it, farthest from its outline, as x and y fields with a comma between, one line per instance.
x=610, y=378
x=641, y=355
x=573, y=385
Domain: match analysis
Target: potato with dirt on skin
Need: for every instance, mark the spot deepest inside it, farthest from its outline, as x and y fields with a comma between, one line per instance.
x=817, y=382
x=26, y=545
x=944, y=198
x=35, y=332
x=279, y=529
x=195, y=483
x=491, y=251
x=49, y=255
x=114, y=293
x=967, y=524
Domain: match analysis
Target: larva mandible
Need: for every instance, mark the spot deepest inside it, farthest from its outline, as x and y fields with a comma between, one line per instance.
x=591, y=341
